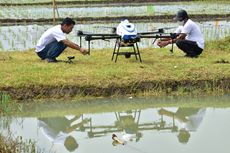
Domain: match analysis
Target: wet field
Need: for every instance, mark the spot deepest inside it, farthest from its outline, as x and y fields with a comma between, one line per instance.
x=21, y=26
x=145, y=125
x=23, y=37
x=45, y=12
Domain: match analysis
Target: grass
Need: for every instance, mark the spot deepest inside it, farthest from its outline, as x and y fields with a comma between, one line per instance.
x=20, y=70
x=4, y=103
x=8, y=145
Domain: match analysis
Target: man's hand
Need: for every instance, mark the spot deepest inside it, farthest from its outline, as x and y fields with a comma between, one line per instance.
x=84, y=51
x=162, y=43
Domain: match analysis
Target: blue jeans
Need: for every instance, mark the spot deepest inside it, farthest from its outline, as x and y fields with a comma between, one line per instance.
x=52, y=50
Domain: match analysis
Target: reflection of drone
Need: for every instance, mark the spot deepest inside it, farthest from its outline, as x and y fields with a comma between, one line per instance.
x=130, y=123
x=158, y=34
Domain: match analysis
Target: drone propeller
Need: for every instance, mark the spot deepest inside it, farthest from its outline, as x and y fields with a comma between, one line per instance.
x=168, y=28
x=107, y=27
x=164, y=28
x=80, y=32
x=158, y=31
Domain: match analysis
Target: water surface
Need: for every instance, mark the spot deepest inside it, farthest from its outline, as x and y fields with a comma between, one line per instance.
x=41, y=12
x=146, y=125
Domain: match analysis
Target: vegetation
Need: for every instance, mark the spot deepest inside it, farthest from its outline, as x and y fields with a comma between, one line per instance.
x=24, y=75
x=7, y=145
x=4, y=103
x=32, y=1
x=38, y=2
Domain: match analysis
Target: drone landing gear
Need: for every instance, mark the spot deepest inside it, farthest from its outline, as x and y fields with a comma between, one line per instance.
x=133, y=44
x=70, y=59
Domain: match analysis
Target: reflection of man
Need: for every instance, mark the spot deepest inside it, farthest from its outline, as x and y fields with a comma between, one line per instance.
x=188, y=119
x=58, y=129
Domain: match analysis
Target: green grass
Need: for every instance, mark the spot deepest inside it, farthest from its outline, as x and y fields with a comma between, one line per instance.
x=42, y=1
x=25, y=69
x=4, y=103
x=8, y=145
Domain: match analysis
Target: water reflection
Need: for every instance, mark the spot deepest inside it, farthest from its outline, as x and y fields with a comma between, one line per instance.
x=184, y=121
x=57, y=130
x=62, y=132
x=85, y=128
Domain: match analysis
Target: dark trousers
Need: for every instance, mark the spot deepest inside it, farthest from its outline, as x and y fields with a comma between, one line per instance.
x=189, y=47
x=52, y=50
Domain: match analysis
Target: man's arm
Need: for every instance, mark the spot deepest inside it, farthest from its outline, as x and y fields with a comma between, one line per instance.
x=172, y=114
x=74, y=46
x=165, y=42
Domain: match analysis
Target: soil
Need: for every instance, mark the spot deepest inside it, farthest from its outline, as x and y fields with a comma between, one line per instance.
x=104, y=2
x=166, y=87
x=157, y=18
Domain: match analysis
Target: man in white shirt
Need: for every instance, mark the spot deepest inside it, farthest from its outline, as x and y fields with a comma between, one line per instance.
x=190, y=39
x=53, y=41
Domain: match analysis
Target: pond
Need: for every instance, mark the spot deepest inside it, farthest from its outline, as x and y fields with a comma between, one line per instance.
x=25, y=37
x=145, y=125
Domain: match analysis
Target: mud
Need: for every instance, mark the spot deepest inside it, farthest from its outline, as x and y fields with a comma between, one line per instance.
x=102, y=2
x=166, y=87
x=158, y=18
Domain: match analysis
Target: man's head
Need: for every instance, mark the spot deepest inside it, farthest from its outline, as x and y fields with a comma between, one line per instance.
x=67, y=25
x=183, y=136
x=181, y=15
x=70, y=144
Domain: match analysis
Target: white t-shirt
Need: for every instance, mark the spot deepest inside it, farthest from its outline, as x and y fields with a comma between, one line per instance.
x=193, y=122
x=52, y=34
x=193, y=32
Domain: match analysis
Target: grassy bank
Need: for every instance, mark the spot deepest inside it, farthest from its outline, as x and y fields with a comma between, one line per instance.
x=24, y=76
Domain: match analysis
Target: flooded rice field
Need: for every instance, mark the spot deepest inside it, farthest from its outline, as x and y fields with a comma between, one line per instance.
x=144, y=125
x=46, y=12
x=21, y=26
x=24, y=37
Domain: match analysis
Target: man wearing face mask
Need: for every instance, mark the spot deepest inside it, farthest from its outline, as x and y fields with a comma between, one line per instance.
x=190, y=39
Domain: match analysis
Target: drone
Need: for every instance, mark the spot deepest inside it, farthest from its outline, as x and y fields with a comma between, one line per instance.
x=122, y=41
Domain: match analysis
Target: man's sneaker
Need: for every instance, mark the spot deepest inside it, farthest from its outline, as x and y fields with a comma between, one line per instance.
x=52, y=60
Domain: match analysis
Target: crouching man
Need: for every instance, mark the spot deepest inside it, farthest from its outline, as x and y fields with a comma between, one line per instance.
x=53, y=41
x=190, y=39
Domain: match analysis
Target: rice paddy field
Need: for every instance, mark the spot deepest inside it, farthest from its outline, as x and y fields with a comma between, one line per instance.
x=168, y=103
x=22, y=25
